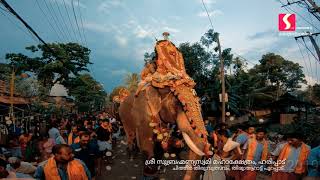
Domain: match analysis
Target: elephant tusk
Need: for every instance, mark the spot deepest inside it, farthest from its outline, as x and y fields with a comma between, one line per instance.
x=191, y=144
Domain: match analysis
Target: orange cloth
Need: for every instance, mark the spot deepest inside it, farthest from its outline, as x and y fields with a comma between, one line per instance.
x=252, y=147
x=169, y=58
x=75, y=170
x=301, y=164
x=71, y=141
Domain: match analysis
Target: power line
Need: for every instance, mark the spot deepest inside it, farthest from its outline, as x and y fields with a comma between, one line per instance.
x=20, y=28
x=300, y=49
x=24, y=23
x=305, y=63
x=48, y=20
x=313, y=56
x=207, y=13
x=75, y=17
x=244, y=58
x=54, y=19
x=71, y=24
x=83, y=33
x=309, y=63
x=4, y=9
x=287, y=8
x=309, y=49
x=64, y=23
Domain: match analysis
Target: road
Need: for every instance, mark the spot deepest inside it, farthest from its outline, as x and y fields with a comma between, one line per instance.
x=124, y=168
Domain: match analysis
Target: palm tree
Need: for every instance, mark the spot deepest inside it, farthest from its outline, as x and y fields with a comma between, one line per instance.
x=131, y=81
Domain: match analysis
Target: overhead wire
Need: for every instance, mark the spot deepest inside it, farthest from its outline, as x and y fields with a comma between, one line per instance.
x=52, y=17
x=82, y=27
x=76, y=20
x=63, y=21
x=205, y=8
x=304, y=60
x=13, y=12
x=20, y=28
x=309, y=59
x=70, y=21
x=55, y=18
x=288, y=9
x=207, y=14
x=49, y=22
x=318, y=60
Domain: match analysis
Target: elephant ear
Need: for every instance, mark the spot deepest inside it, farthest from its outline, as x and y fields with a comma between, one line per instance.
x=154, y=100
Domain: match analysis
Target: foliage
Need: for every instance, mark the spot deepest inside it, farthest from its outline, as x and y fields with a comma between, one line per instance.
x=52, y=63
x=305, y=128
x=280, y=73
x=148, y=57
x=316, y=93
x=88, y=93
x=47, y=111
x=5, y=71
x=27, y=87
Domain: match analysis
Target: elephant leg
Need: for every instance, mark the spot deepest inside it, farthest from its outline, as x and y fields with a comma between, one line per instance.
x=192, y=174
x=144, y=135
x=130, y=137
x=145, y=139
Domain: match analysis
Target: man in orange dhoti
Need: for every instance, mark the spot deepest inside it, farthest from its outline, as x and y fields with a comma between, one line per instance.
x=295, y=154
x=257, y=150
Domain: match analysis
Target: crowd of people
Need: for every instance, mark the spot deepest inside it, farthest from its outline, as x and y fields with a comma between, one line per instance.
x=77, y=148
x=287, y=158
x=72, y=149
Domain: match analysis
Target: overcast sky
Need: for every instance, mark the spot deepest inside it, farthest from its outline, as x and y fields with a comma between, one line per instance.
x=119, y=32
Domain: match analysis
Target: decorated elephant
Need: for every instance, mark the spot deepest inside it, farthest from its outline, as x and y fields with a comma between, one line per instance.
x=136, y=114
x=165, y=97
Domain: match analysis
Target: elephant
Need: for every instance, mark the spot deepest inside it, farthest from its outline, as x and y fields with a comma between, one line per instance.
x=136, y=112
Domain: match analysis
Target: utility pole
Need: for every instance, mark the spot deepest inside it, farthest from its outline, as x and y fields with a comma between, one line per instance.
x=314, y=43
x=11, y=113
x=314, y=6
x=223, y=113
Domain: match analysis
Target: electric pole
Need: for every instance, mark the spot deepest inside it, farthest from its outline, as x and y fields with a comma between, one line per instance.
x=223, y=113
x=313, y=42
x=314, y=6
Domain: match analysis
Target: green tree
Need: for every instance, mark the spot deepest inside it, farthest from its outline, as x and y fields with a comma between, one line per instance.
x=316, y=93
x=52, y=63
x=88, y=93
x=277, y=72
x=28, y=87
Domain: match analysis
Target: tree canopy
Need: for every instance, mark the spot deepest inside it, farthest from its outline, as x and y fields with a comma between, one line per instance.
x=52, y=63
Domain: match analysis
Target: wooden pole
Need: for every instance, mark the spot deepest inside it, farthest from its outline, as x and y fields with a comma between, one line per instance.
x=223, y=113
x=11, y=115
